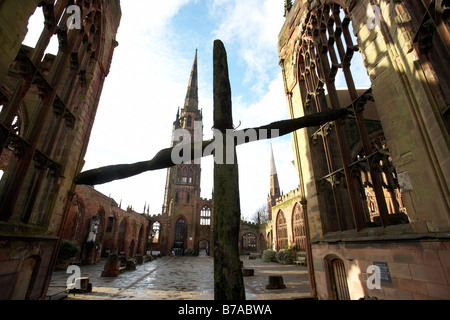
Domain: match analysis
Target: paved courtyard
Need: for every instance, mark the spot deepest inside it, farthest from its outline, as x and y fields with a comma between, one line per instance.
x=182, y=278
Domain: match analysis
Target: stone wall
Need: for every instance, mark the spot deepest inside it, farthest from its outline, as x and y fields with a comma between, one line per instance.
x=410, y=100
x=55, y=98
x=88, y=205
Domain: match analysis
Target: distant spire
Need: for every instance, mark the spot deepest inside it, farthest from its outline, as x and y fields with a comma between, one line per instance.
x=273, y=169
x=192, y=91
x=274, y=184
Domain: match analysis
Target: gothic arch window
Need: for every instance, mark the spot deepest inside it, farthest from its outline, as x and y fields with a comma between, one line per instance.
x=282, y=234
x=326, y=52
x=191, y=176
x=249, y=241
x=298, y=228
x=176, y=197
x=205, y=216
x=189, y=122
x=178, y=175
x=110, y=223
x=188, y=198
x=180, y=230
x=156, y=232
x=184, y=175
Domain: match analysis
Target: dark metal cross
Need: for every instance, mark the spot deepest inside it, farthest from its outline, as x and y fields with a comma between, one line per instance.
x=228, y=278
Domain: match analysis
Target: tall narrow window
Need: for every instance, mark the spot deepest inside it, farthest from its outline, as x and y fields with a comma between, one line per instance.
x=324, y=59
x=282, y=236
x=205, y=216
x=184, y=175
x=156, y=229
x=191, y=176
x=249, y=241
x=110, y=223
x=298, y=228
x=180, y=230
x=189, y=121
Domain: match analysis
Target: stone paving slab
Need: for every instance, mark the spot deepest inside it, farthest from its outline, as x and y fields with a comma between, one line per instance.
x=182, y=278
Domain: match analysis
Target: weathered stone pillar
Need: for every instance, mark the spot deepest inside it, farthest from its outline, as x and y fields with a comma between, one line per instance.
x=228, y=279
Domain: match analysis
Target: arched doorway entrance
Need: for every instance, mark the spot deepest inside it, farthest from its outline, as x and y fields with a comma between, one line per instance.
x=180, y=236
x=338, y=287
x=203, y=248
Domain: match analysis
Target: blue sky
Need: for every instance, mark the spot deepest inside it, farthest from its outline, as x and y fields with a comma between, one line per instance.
x=148, y=81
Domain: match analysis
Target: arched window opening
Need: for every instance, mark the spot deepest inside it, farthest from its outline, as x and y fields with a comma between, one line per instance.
x=249, y=241
x=205, y=216
x=328, y=57
x=191, y=176
x=180, y=235
x=184, y=175
x=282, y=234
x=189, y=122
x=188, y=198
x=36, y=25
x=110, y=223
x=155, y=233
x=298, y=228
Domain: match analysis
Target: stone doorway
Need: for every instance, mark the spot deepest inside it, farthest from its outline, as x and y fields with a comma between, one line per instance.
x=203, y=248
x=180, y=235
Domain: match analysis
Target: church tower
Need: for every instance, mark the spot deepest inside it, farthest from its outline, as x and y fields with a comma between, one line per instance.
x=274, y=192
x=182, y=203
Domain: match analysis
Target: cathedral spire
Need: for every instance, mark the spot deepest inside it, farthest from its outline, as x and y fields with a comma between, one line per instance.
x=273, y=169
x=191, y=101
x=274, y=184
x=274, y=192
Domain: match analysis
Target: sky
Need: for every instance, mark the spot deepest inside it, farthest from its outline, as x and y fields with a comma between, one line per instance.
x=148, y=82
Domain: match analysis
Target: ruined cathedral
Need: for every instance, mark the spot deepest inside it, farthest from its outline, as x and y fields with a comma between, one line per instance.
x=373, y=187
x=186, y=220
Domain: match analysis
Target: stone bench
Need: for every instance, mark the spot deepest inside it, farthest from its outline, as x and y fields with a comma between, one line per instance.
x=300, y=258
x=300, y=261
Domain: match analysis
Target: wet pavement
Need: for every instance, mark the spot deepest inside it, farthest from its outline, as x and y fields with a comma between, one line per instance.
x=181, y=278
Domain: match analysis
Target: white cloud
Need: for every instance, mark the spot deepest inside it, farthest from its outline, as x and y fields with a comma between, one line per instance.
x=252, y=26
x=148, y=81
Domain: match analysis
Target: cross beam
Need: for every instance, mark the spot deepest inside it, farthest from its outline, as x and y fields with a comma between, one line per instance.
x=228, y=278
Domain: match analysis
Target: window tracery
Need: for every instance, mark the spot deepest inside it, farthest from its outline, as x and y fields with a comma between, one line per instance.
x=325, y=54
